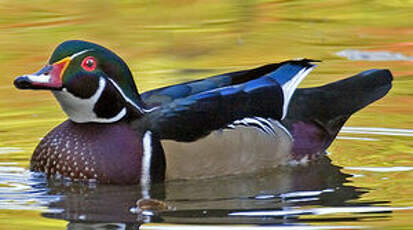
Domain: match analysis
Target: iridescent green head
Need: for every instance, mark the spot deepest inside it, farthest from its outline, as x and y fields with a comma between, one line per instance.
x=91, y=83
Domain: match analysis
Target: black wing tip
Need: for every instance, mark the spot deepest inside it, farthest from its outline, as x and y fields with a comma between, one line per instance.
x=372, y=78
x=305, y=62
x=383, y=73
x=308, y=60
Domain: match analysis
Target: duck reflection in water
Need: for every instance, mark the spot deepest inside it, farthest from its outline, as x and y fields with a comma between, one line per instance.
x=211, y=200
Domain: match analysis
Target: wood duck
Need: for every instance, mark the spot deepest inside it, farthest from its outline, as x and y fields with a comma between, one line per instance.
x=232, y=123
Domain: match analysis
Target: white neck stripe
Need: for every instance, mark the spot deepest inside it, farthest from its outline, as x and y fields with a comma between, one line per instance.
x=142, y=110
x=146, y=165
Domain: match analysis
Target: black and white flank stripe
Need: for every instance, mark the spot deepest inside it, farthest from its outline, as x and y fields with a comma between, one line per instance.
x=262, y=124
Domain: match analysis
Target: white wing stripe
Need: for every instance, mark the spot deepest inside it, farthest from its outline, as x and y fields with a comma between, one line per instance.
x=290, y=86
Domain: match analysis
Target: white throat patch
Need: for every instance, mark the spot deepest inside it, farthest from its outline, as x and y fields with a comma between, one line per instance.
x=81, y=110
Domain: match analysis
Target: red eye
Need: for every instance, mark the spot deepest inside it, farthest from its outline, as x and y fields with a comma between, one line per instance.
x=89, y=63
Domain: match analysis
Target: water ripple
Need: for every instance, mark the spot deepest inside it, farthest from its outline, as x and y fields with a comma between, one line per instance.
x=237, y=227
x=382, y=169
x=377, y=131
x=319, y=211
x=358, y=55
x=6, y=150
x=21, y=189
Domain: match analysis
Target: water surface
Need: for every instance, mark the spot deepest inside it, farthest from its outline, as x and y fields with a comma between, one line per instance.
x=365, y=181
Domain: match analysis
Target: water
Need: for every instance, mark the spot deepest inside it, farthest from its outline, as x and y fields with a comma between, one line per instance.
x=365, y=181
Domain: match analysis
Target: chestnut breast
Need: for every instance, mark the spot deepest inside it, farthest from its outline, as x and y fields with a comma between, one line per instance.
x=107, y=153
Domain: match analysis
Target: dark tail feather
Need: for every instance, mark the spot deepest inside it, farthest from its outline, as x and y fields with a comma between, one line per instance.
x=316, y=115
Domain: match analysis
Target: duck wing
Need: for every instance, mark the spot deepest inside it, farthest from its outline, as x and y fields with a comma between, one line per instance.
x=195, y=116
x=167, y=94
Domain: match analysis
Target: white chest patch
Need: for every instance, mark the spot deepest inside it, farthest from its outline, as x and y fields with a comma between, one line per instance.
x=80, y=110
x=241, y=149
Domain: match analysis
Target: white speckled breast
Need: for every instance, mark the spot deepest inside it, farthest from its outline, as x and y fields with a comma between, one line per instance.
x=64, y=155
x=107, y=153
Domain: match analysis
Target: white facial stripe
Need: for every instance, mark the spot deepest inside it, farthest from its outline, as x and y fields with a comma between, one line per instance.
x=146, y=165
x=81, y=110
x=290, y=86
x=142, y=110
x=42, y=78
x=79, y=53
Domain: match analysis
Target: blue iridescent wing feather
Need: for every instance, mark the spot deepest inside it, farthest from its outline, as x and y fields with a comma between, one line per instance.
x=280, y=71
x=192, y=117
x=188, y=117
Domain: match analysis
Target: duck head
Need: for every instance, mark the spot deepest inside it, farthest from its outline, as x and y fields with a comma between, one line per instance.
x=91, y=83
